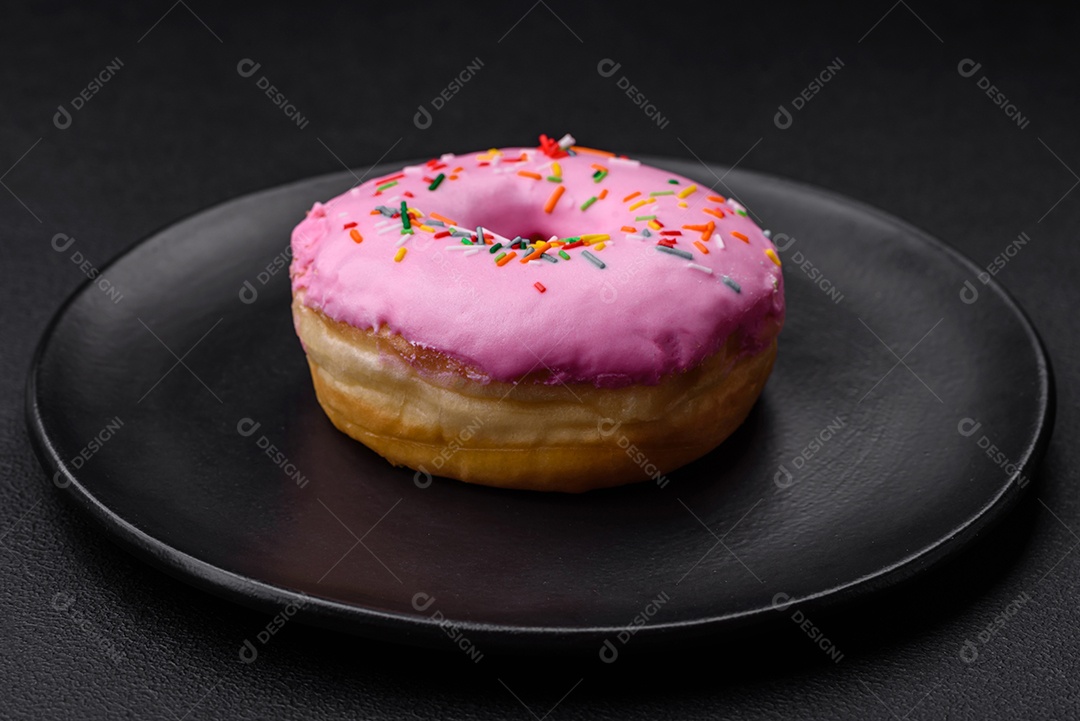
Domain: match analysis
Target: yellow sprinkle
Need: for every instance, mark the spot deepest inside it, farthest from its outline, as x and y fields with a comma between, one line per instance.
x=687, y=191
x=427, y=229
x=772, y=255
x=595, y=237
x=654, y=225
x=637, y=205
x=683, y=205
x=556, y=170
x=599, y=246
x=400, y=254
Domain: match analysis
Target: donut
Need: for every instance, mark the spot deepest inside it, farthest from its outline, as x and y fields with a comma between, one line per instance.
x=550, y=318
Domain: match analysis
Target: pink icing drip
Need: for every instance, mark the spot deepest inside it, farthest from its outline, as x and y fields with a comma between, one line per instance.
x=642, y=317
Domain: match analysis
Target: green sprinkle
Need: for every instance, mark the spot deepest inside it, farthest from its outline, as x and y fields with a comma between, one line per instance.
x=662, y=192
x=466, y=241
x=741, y=212
x=435, y=183
x=499, y=257
x=495, y=248
x=674, y=251
x=645, y=217
x=406, y=221
x=384, y=186
x=564, y=255
x=587, y=203
x=554, y=178
x=673, y=181
x=731, y=284
x=406, y=231
x=599, y=175
x=593, y=259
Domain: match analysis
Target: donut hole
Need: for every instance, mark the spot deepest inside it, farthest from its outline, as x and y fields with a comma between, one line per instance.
x=511, y=214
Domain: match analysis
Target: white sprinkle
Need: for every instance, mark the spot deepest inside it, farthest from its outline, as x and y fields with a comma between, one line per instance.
x=703, y=269
x=537, y=262
x=413, y=170
x=402, y=241
x=767, y=233
x=354, y=192
x=624, y=161
x=631, y=236
x=393, y=199
x=446, y=157
x=719, y=240
x=471, y=251
x=387, y=229
x=566, y=141
x=381, y=223
x=460, y=246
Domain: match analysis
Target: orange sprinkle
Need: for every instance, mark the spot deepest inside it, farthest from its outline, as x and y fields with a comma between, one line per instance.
x=527, y=174
x=506, y=258
x=707, y=233
x=531, y=256
x=443, y=218
x=458, y=169
x=628, y=229
x=592, y=151
x=603, y=194
x=716, y=199
x=375, y=212
x=597, y=166
x=700, y=246
x=772, y=255
x=453, y=177
x=400, y=254
x=701, y=227
x=630, y=197
x=710, y=211
x=740, y=236
x=550, y=205
x=355, y=235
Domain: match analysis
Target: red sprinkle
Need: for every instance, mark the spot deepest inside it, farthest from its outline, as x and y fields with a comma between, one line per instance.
x=670, y=232
x=407, y=194
x=575, y=244
x=349, y=225
x=539, y=286
x=442, y=234
x=389, y=178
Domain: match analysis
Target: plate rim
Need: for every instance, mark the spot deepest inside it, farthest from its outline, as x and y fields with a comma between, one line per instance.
x=421, y=630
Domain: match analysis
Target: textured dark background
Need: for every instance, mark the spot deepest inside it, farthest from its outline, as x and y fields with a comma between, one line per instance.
x=178, y=129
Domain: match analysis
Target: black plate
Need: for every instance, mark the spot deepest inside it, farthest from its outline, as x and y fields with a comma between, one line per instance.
x=857, y=469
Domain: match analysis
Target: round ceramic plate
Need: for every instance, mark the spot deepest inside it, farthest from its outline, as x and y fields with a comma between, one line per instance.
x=908, y=406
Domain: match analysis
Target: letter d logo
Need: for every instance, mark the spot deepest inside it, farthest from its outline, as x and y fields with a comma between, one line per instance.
x=783, y=118
x=62, y=118
x=422, y=119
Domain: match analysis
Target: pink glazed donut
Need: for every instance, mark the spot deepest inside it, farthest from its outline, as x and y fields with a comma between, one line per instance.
x=555, y=318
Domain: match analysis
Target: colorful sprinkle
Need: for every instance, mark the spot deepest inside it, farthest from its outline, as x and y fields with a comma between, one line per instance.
x=555, y=178
x=351, y=225
x=505, y=258
x=400, y=254
x=593, y=259
x=675, y=251
x=716, y=199
x=662, y=192
x=564, y=255
x=355, y=235
x=550, y=205
x=702, y=268
x=630, y=197
x=701, y=246
x=443, y=218
x=599, y=175
x=603, y=194
x=772, y=256
x=673, y=181
x=384, y=186
x=644, y=217
x=687, y=191
x=435, y=183
x=710, y=211
x=527, y=174
x=732, y=284
x=587, y=203
x=539, y=286
x=740, y=236
x=496, y=248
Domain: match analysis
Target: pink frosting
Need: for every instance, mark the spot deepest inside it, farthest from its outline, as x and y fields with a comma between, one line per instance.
x=646, y=314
